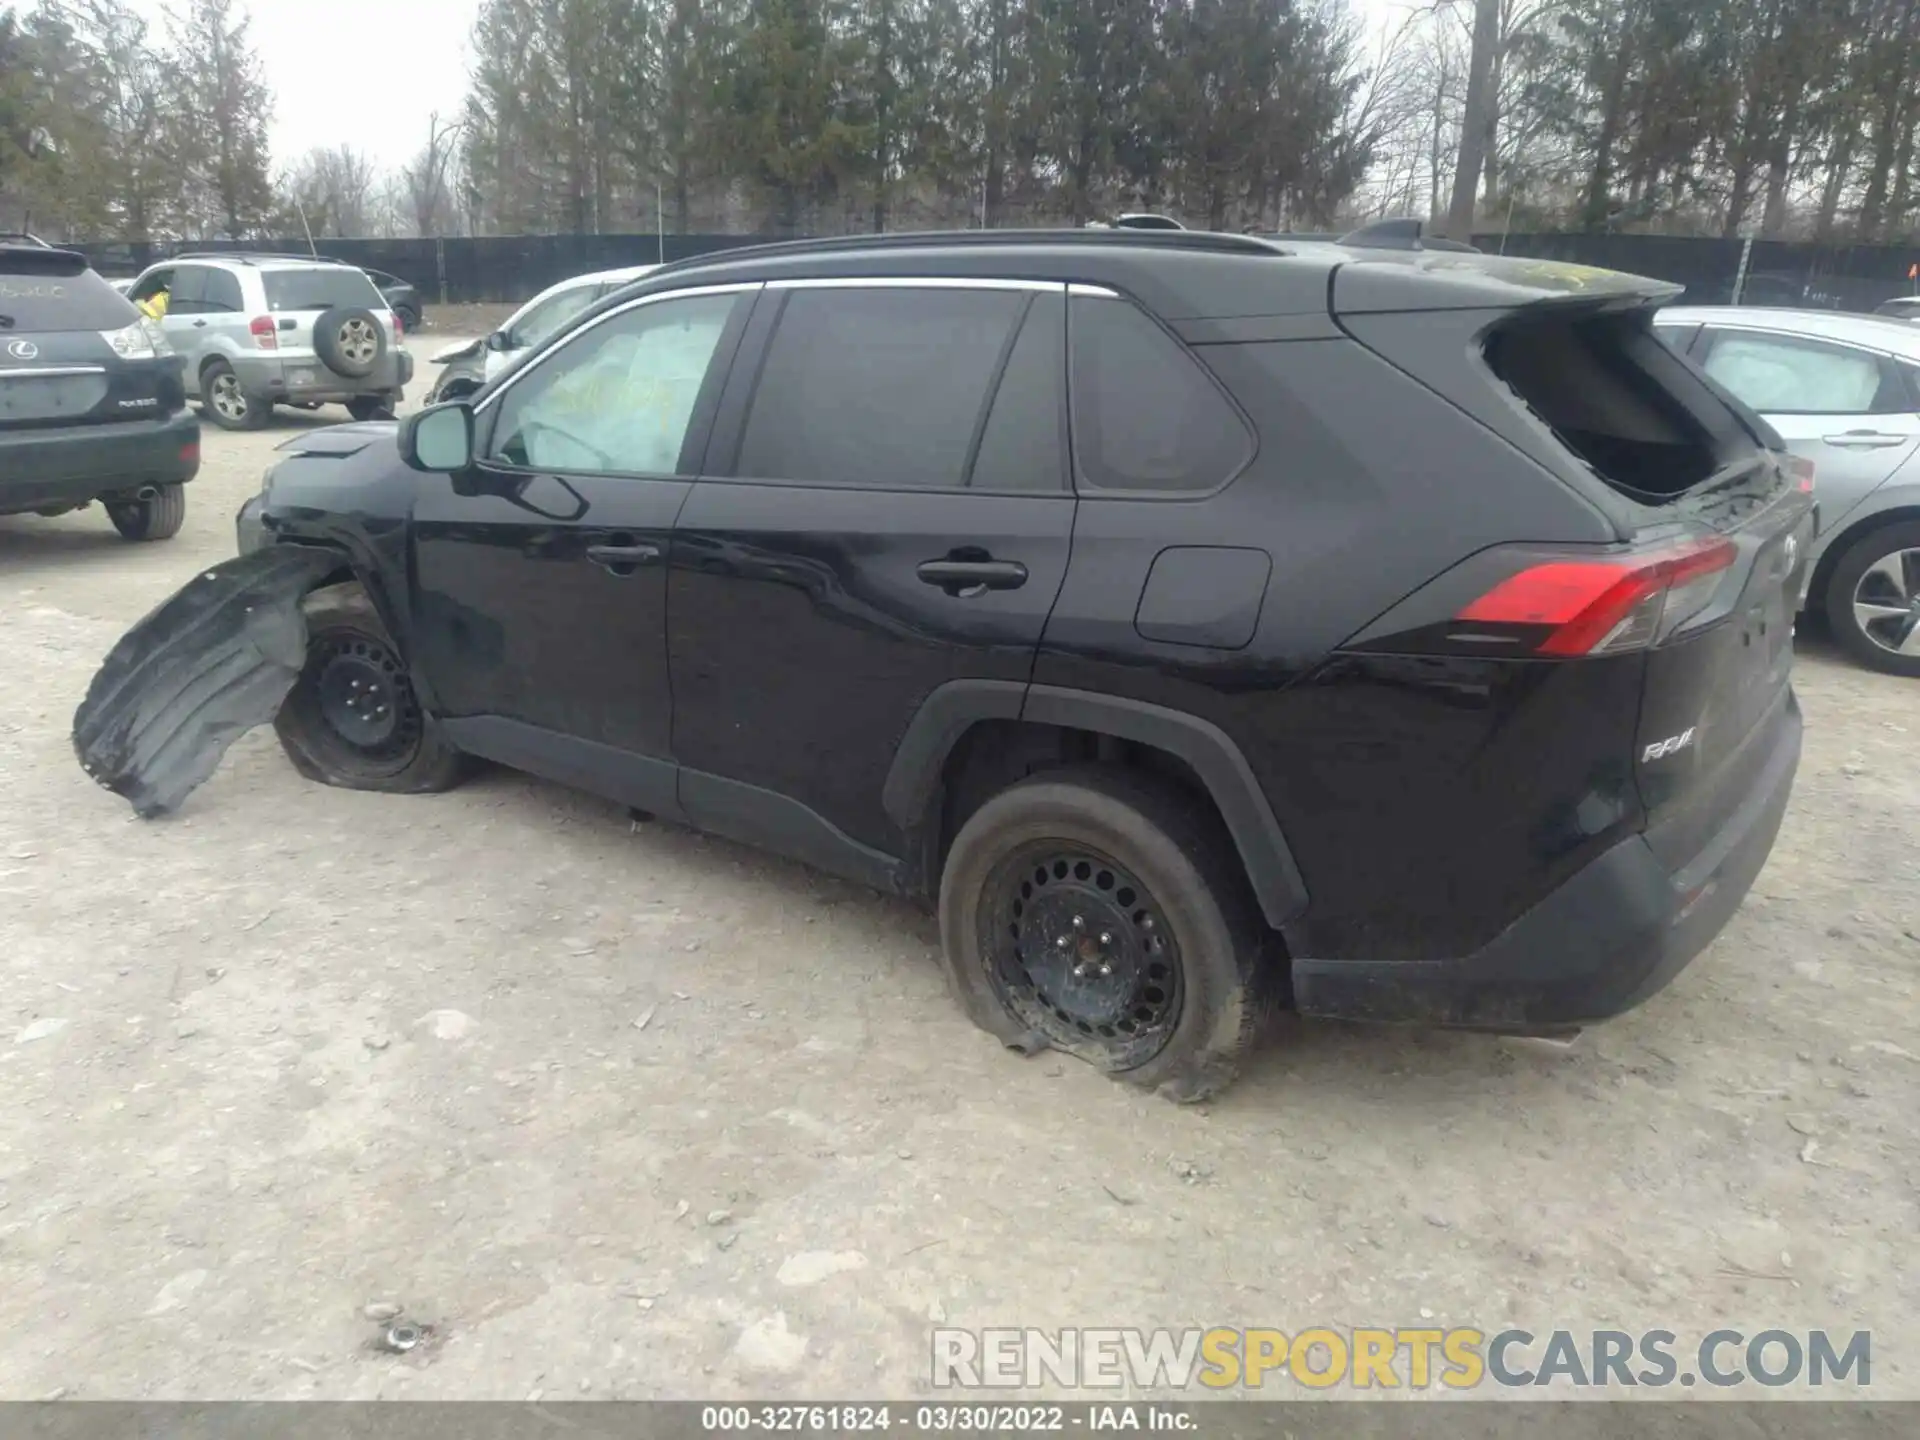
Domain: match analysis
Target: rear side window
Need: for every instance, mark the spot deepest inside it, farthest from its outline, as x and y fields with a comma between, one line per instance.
x=320, y=289
x=1146, y=416
x=1024, y=443
x=879, y=387
x=48, y=303
x=223, y=295
x=1785, y=375
x=1613, y=394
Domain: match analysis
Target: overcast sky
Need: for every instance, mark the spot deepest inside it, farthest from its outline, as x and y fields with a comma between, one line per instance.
x=370, y=73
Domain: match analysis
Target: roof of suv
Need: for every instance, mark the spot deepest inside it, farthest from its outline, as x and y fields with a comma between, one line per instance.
x=1185, y=274
x=255, y=261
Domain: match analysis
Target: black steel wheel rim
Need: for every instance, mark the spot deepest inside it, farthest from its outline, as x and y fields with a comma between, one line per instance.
x=363, y=698
x=1080, y=950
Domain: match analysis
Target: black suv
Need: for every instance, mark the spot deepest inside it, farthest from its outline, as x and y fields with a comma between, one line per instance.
x=92, y=403
x=1398, y=635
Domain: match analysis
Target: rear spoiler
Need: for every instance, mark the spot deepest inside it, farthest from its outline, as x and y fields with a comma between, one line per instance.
x=41, y=260
x=1380, y=281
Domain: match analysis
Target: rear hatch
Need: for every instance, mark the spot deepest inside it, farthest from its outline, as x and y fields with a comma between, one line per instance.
x=297, y=296
x=73, y=350
x=1713, y=522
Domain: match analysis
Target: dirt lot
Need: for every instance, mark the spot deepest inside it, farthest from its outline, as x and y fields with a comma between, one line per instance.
x=299, y=1051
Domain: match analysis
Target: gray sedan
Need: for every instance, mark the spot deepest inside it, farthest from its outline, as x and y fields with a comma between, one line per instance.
x=1844, y=392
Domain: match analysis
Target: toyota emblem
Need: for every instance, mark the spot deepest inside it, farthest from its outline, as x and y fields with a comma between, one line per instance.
x=23, y=350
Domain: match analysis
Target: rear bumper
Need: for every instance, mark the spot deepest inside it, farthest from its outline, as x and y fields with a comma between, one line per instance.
x=1608, y=938
x=306, y=378
x=69, y=466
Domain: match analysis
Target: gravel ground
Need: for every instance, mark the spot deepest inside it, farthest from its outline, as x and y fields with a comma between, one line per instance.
x=628, y=1112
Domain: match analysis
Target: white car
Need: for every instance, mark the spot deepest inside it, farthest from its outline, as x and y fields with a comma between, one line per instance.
x=468, y=366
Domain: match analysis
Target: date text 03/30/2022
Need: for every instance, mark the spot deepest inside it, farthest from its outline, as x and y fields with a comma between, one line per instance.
x=946, y=1419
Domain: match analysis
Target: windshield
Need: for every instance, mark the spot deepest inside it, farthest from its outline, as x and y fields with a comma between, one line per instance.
x=320, y=289
x=549, y=315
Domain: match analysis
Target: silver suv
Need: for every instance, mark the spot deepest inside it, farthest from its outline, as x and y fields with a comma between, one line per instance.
x=266, y=330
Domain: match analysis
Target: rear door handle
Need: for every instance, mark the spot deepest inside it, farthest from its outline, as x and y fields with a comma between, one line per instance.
x=962, y=578
x=1866, y=440
x=622, y=559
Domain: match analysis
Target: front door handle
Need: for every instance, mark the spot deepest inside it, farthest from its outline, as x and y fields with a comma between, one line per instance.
x=963, y=578
x=1866, y=440
x=623, y=559
x=199, y=324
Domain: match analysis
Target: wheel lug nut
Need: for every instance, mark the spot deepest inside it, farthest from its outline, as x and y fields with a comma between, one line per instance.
x=1106, y=969
x=1063, y=942
x=1106, y=937
x=1079, y=922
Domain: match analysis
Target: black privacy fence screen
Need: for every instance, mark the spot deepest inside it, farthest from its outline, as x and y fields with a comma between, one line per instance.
x=506, y=269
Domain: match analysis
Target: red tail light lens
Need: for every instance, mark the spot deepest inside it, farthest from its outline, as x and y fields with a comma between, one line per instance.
x=1604, y=606
x=266, y=335
x=1801, y=470
x=190, y=453
x=399, y=325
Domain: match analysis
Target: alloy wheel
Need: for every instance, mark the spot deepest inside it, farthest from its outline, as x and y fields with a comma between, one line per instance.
x=1886, y=602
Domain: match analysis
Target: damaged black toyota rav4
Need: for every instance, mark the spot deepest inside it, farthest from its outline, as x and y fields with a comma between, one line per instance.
x=1204, y=626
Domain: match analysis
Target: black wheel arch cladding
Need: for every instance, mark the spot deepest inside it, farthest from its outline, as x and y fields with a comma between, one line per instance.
x=914, y=778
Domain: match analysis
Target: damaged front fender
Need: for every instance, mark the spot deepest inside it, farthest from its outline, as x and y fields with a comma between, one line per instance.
x=198, y=673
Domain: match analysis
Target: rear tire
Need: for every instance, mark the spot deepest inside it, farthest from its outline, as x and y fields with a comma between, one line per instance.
x=1104, y=913
x=371, y=407
x=157, y=519
x=1872, y=582
x=225, y=401
x=352, y=719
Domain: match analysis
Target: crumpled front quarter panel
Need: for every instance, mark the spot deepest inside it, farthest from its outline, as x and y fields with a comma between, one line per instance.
x=196, y=674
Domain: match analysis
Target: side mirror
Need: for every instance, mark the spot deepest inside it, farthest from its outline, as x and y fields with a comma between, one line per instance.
x=439, y=440
x=499, y=341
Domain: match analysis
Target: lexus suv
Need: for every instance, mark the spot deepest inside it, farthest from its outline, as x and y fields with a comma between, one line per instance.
x=265, y=330
x=1199, y=624
x=91, y=401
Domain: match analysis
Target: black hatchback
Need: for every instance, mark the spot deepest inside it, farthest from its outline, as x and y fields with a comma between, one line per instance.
x=92, y=403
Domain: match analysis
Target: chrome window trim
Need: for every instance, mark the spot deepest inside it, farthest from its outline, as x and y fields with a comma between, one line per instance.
x=692, y=292
x=1093, y=292
x=914, y=282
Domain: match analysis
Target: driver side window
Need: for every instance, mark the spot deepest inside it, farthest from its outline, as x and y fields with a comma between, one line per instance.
x=617, y=398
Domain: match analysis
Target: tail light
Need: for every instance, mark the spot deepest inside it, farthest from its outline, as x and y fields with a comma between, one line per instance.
x=399, y=325
x=266, y=335
x=1801, y=469
x=190, y=453
x=1606, y=606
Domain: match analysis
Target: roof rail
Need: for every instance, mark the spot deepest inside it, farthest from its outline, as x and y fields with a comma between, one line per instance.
x=247, y=257
x=1130, y=238
x=1404, y=234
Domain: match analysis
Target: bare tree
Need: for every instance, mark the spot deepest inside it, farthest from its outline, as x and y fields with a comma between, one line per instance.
x=426, y=176
x=1478, y=119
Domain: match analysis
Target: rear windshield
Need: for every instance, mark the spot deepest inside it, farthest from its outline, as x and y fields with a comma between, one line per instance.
x=46, y=303
x=1641, y=417
x=320, y=290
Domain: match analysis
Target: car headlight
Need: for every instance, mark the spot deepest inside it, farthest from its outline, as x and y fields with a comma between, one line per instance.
x=142, y=340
